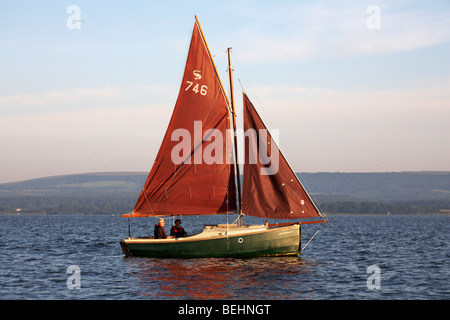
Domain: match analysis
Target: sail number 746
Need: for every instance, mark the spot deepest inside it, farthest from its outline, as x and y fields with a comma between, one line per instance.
x=196, y=87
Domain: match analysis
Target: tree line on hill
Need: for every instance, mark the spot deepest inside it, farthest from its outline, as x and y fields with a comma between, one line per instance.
x=376, y=207
x=118, y=204
x=108, y=204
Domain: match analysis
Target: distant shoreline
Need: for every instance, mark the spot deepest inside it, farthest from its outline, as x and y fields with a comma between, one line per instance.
x=328, y=214
x=333, y=192
x=392, y=214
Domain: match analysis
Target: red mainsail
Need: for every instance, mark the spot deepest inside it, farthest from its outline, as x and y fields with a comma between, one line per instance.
x=192, y=173
x=270, y=190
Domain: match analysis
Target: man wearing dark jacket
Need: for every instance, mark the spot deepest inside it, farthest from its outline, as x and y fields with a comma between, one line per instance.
x=160, y=233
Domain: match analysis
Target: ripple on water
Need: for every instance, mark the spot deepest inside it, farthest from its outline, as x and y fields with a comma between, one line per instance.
x=412, y=253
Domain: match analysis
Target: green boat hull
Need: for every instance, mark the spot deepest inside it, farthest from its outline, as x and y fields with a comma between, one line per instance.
x=220, y=242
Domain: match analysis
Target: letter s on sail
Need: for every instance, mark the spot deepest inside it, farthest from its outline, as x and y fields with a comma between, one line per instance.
x=197, y=74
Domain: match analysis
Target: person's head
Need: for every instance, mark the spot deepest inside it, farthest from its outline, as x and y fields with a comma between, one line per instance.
x=161, y=222
x=177, y=222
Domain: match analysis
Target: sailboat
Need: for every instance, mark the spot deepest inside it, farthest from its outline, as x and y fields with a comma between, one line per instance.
x=196, y=173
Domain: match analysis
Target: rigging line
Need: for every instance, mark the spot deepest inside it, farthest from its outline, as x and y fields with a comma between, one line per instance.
x=235, y=221
x=227, y=212
x=219, y=54
x=242, y=87
x=251, y=88
x=311, y=238
x=148, y=203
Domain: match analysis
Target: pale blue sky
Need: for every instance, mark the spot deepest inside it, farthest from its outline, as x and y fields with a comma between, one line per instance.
x=346, y=92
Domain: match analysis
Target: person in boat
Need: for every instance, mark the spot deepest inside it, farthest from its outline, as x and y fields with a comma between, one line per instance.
x=177, y=230
x=160, y=233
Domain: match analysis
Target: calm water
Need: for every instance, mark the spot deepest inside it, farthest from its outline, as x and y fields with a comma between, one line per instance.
x=412, y=253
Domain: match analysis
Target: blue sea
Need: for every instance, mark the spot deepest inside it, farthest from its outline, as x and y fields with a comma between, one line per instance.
x=368, y=257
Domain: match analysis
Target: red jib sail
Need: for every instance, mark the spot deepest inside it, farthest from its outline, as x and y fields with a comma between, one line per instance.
x=192, y=173
x=270, y=189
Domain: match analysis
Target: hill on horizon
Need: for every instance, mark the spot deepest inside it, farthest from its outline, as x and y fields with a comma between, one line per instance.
x=387, y=186
x=113, y=191
x=96, y=183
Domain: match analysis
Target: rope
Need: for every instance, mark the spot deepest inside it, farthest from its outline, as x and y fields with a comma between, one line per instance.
x=145, y=195
x=311, y=238
x=129, y=228
x=219, y=54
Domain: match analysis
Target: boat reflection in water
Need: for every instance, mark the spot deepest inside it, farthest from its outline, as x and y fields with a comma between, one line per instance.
x=220, y=278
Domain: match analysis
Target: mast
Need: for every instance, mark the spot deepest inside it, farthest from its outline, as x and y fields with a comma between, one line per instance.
x=230, y=73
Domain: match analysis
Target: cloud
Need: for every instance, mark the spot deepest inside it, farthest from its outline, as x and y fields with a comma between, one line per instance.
x=359, y=130
x=82, y=98
x=427, y=97
x=104, y=139
x=318, y=30
x=82, y=129
x=83, y=113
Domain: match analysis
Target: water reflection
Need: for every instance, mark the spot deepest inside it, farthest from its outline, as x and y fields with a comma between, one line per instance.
x=219, y=278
